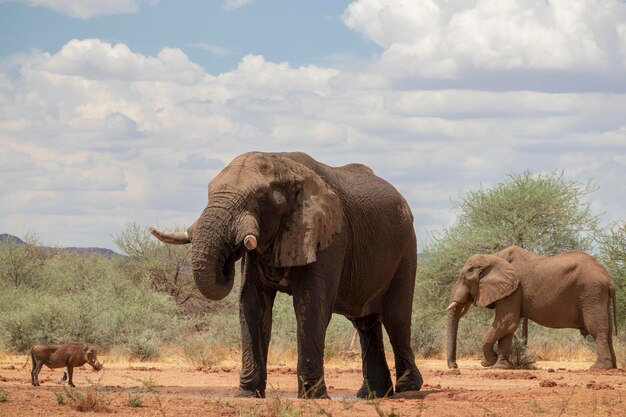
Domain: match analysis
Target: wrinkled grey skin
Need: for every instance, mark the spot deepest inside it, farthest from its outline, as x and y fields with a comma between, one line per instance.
x=338, y=239
x=570, y=290
x=68, y=355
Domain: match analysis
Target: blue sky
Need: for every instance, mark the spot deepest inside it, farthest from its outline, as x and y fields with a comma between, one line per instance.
x=122, y=111
x=211, y=34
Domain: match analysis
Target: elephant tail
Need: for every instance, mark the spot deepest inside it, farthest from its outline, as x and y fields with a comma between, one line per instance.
x=612, y=292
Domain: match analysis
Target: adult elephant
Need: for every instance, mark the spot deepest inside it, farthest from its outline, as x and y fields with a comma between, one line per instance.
x=570, y=290
x=338, y=239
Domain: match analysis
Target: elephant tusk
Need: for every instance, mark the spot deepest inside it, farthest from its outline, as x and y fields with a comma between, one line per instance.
x=452, y=306
x=250, y=242
x=174, y=238
x=466, y=308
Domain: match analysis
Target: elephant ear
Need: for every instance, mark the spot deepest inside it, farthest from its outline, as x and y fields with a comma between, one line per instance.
x=313, y=221
x=497, y=280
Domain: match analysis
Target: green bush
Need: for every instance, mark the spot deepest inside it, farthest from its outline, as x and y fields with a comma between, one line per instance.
x=87, y=299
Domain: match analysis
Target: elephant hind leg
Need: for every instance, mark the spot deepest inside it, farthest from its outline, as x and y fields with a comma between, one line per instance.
x=397, y=320
x=376, y=375
x=604, y=349
x=598, y=325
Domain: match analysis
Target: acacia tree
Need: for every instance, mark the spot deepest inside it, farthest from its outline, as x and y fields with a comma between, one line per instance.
x=166, y=268
x=543, y=213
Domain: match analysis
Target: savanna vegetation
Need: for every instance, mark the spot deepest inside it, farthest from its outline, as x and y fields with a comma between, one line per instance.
x=145, y=304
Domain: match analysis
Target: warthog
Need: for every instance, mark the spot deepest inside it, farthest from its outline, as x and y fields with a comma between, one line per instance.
x=59, y=356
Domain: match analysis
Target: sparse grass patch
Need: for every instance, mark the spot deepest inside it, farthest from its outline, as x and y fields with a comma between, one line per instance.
x=89, y=399
x=283, y=408
x=135, y=400
x=535, y=408
x=4, y=395
x=382, y=413
x=148, y=384
x=161, y=406
x=59, y=397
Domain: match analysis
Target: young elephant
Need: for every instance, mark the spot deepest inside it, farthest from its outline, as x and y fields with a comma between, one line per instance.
x=59, y=356
x=570, y=290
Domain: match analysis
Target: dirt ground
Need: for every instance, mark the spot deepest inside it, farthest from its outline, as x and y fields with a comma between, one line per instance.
x=178, y=389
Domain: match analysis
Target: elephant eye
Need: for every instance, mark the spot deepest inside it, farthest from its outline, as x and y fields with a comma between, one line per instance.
x=482, y=273
x=262, y=200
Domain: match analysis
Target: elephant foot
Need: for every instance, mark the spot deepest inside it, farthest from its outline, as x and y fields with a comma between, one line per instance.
x=603, y=364
x=410, y=382
x=502, y=364
x=369, y=391
x=488, y=363
x=452, y=365
x=250, y=393
x=316, y=390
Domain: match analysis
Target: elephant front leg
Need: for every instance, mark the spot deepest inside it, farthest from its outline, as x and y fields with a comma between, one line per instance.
x=255, y=317
x=508, y=312
x=312, y=320
x=489, y=355
x=501, y=332
x=313, y=298
x=504, y=352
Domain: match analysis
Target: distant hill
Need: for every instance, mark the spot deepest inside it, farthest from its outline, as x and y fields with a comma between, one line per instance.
x=5, y=236
x=107, y=253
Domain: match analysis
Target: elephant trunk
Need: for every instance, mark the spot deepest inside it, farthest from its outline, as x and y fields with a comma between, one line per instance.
x=460, y=304
x=217, y=245
x=454, y=315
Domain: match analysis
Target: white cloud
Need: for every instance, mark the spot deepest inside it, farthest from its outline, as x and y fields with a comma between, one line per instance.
x=448, y=39
x=95, y=59
x=96, y=135
x=85, y=9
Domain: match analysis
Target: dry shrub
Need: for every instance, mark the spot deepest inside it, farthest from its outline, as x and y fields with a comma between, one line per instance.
x=87, y=399
x=202, y=350
x=520, y=357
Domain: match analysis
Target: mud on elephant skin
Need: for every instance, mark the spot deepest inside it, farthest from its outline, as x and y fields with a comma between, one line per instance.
x=337, y=239
x=570, y=290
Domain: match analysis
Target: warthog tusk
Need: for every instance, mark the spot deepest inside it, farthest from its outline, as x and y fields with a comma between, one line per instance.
x=452, y=306
x=250, y=242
